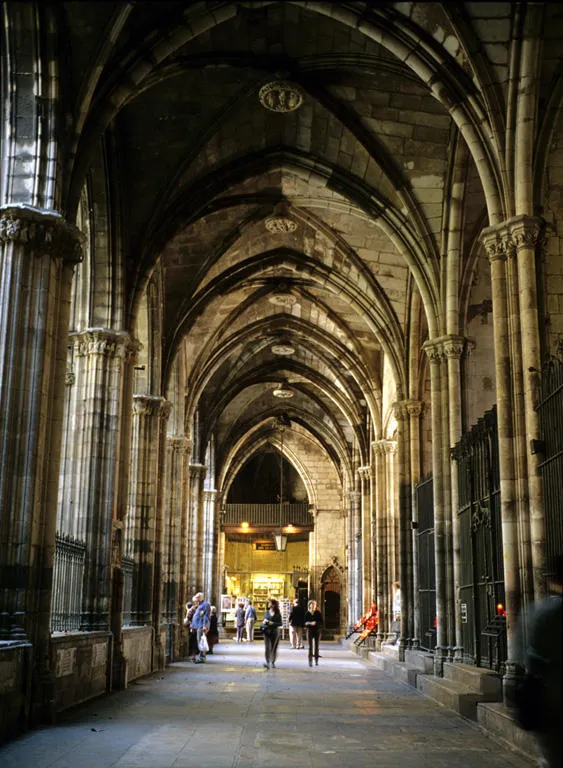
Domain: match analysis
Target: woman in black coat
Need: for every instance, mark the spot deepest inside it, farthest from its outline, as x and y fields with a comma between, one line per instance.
x=271, y=624
x=314, y=624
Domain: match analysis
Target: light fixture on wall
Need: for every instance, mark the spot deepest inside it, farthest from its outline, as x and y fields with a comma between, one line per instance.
x=280, y=538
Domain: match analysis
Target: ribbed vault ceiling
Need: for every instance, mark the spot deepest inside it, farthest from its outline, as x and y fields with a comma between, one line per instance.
x=362, y=169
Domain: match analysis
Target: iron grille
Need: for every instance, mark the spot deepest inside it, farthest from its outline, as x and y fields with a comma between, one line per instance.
x=550, y=414
x=68, y=575
x=128, y=568
x=481, y=588
x=426, y=563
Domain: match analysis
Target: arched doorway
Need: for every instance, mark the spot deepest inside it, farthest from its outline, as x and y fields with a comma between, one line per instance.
x=331, y=598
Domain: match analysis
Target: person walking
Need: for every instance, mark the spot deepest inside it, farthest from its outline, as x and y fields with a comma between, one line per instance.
x=249, y=621
x=271, y=624
x=213, y=634
x=314, y=624
x=540, y=705
x=200, y=622
x=239, y=621
x=192, y=634
x=296, y=624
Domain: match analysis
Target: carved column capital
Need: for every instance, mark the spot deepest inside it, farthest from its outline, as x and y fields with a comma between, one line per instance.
x=414, y=408
x=399, y=410
x=197, y=470
x=180, y=444
x=434, y=349
x=453, y=347
x=364, y=472
x=165, y=410
x=527, y=232
x=147, y=405
x=497, y=242
x=44, y=232
x=100, y=341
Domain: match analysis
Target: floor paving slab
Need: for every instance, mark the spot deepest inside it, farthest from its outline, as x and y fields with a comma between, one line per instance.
x=233, y=713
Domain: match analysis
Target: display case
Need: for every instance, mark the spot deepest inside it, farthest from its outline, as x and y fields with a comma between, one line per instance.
x=262, y=590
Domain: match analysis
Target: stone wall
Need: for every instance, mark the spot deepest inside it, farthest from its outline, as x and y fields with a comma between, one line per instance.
x=80, y=665
x=15, y=663
x=137, y=651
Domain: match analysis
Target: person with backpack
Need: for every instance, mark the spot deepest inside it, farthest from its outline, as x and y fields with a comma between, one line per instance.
x=249, y=620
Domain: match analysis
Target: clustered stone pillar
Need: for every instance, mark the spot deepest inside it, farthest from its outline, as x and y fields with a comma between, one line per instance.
x=414, y=410
x=354, y=557
x=379, y=448
x=99, y=358
x=141, y=532
x=367, y=562
x=511, y=248
x=434, y=351
x=175, y=503
x=195, y=543
x=38, y=252
x=209, y=515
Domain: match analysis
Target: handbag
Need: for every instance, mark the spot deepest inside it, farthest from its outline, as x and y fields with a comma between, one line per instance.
x=203, y=644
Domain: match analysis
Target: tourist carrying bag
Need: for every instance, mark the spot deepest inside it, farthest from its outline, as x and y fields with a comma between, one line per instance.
x=203, y=644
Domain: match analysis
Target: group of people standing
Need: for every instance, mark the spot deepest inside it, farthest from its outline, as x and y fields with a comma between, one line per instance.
x=201, y=623
x=299, y=621
x=245, y=618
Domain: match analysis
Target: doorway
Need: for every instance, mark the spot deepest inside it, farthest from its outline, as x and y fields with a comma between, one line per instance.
x=331, y=598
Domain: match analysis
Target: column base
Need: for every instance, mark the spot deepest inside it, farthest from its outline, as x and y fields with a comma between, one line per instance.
x=513, y=674
x=458, y=655
x=440, y=657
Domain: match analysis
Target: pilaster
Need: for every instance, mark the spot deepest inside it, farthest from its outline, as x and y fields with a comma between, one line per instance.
x=141, y=530
x=38, y=252
x=197, y=474
x=434, y=350
x=414, y=410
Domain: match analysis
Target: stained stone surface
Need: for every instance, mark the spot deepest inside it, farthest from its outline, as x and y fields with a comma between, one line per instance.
x=232, y=713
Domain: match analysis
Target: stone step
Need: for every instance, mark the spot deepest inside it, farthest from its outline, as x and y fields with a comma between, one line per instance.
x=450, y=694
x=482, y=681
x=420, y=660
x=497, y=720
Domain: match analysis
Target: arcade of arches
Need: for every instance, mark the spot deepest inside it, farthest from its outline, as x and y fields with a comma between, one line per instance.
x=274, y=268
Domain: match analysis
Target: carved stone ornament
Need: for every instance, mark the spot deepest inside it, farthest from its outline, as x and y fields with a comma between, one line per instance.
x=280, y=223
x=147, y=405
x=414, y=408
x=527, y=232
x=42, y=232
x=100, y=341
x=280, y=96
x=497, y=243
x=334, y=563
x=434, y=350
x=453, y=347
x=179, y=444
x=70, y=378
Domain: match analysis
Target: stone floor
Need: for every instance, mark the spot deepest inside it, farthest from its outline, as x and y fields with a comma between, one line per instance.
x=233, y=713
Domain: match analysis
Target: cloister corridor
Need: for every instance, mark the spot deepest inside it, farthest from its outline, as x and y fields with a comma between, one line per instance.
x=232, y=713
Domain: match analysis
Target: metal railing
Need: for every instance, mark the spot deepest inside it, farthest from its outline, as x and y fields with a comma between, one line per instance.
x=267, y=514
x=68, y=575
x=128, y=567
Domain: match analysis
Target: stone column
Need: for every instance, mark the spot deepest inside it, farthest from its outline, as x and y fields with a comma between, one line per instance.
x=392, y=554
x=38, y=252
x=381, y=541
x=355, y=545
x=453, y=349
x=99, y=355
x=159, y=637
x=497, y=244
x=176, y=450
x=209, y=515
x=195, y=548
x=414, y=410
x=404, y=515
x=528, y=236
x=435, y=353
x=142, y=513
x=367, y=561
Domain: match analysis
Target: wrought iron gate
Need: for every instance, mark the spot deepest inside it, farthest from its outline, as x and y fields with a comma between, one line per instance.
x=550, y=412
x=426, y=569
x=481, y=588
